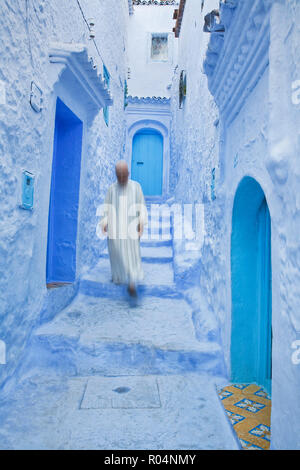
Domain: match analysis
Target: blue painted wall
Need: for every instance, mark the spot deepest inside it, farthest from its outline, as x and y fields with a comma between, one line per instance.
x=261, y=141
x=27, y=141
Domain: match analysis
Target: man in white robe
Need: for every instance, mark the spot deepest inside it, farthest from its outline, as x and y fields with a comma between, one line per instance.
x=125, y=215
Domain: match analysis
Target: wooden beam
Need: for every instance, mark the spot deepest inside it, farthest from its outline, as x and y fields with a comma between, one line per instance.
x=179, y=15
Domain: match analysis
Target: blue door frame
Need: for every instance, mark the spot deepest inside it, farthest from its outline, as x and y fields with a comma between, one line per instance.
x=265, y=298
x=251, y=333
x=147, y=161
x=64, y=196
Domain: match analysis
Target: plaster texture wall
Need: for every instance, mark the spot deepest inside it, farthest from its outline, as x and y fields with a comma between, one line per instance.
x=147, y=77
x=260, y=140
x=194, y=153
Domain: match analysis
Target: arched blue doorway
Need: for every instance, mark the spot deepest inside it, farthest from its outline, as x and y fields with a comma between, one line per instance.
x=64, y=196
x=251, y=333
x=147, y=161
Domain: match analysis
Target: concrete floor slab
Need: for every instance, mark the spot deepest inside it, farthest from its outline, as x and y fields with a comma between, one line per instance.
x=45, y=413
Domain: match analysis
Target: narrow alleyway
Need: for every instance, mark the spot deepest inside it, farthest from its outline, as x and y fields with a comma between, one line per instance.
x=114, y=373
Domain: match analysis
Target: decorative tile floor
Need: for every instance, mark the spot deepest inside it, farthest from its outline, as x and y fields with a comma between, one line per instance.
x=249, y=409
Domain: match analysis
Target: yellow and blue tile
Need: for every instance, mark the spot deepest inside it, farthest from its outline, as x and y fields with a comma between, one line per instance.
x=248, y=408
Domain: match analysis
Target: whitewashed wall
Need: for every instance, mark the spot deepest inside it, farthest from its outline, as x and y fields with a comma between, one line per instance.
x=262, y=141
x=149, y=78
x=26, y=142
x=194, y=152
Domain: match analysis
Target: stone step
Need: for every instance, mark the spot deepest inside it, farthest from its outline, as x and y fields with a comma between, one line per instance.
x=109, y=337
x=158, y=227
x=156, y=236
x=101, y=289
x=157, y=254
x=151, y=254
x=158, y=275
x=165, y=241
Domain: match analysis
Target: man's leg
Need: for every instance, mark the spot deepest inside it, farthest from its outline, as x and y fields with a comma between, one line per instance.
x=132, y=289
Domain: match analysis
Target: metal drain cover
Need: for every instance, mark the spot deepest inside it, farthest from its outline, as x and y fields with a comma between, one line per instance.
x=122, y=389
x=121, y=392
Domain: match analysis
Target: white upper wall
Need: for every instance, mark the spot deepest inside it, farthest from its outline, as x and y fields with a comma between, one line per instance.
x=149, y=77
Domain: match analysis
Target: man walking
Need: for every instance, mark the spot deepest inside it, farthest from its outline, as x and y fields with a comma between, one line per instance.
x=125, y=215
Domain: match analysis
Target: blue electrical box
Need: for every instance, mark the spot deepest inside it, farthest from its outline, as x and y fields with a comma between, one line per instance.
x=27, y=190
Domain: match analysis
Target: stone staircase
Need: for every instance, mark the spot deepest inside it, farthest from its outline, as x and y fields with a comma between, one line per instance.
x=103, y=331
x=110, y=372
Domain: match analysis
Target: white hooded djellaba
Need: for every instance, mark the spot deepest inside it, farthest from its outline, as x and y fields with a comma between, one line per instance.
x=124, y=208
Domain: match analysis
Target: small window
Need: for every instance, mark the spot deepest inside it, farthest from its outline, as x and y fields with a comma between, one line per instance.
x=159, y=47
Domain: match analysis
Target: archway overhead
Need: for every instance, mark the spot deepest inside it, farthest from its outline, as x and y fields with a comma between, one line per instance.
x=148, y=124
x=148, y=130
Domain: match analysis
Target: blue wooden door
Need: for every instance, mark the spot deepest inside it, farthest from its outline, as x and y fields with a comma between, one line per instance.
x=64, y=196
x=147, y=161
x=251, y=278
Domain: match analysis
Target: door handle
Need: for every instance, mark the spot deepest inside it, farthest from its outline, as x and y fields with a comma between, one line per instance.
x=140, y=163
